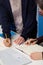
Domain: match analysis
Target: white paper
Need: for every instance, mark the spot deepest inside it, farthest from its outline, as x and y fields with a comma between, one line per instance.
x=13, y=57
x=28, y=49
x=1, y=63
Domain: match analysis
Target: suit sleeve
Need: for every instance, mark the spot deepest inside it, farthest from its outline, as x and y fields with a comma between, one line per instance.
x=30, y=25
x=4, y=20
x=39, y=40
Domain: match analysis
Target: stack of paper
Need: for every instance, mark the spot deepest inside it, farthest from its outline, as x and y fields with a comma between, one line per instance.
x=12, y=56
x=17, y=54
x=9, y=56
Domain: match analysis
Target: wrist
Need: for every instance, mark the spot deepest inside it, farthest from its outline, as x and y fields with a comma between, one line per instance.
x=22, y=38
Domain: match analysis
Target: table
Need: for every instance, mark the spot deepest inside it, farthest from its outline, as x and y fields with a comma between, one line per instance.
x=26, y=49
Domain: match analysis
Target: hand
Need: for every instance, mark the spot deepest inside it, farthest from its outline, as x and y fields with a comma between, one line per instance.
x=41, y=12
x=31, y=41
x=19, y=40
x=36, y=56
x=7, y=42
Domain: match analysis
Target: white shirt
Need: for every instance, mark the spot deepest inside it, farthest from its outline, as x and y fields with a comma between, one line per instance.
x=17, y=13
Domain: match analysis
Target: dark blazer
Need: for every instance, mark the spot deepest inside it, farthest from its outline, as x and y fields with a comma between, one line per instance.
x=28, y=14
x=40, y=40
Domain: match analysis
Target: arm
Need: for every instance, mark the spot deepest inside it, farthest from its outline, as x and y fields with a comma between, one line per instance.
x=40, y=40
x=30, y=26
x=42, y=55
x=4, y=21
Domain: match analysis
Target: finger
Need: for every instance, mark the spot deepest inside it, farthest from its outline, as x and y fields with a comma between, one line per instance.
x=7, y=43
x=16, y=40
x=27, y=43
x=32, y=40
x=34, y=43
x=20, y=41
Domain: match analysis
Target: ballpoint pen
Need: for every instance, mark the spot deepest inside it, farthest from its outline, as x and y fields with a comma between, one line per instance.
x=21, y=50
x=6, y=38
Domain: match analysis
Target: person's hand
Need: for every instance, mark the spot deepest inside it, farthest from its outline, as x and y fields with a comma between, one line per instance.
x=36, y=56
x=31, y=41
x=41, y=12
x=7, y=42
x=19, y=40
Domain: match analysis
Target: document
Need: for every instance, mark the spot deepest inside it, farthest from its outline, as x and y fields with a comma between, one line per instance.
x=12, y=56
x=16, y=54
x=28, y=49
x=1, y=63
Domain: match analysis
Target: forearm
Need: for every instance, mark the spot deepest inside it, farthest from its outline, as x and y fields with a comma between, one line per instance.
x=4, y=22
x=30, y=24
x=39, y=40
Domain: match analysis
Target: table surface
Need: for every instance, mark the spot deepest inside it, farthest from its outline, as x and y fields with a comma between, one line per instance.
x=26, y=49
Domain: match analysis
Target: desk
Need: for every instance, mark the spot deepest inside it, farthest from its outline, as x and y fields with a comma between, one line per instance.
x=26, y=49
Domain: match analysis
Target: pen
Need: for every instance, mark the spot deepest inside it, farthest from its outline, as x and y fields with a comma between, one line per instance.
x=21, y=50
x=33, y=41
x=6, y=35
x=27, y=43
x=6, y=38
